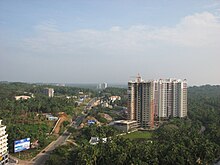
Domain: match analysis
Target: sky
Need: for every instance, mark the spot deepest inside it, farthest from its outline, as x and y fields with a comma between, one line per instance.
x=94, y=41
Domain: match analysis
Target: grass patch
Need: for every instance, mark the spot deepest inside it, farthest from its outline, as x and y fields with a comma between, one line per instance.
x=139, y=135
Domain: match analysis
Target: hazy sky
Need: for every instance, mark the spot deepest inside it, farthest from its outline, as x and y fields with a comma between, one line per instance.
x=89, y=41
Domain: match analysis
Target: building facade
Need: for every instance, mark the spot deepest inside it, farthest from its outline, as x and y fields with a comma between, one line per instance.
x=3, y=144
x=170, y=98
x=49, y=92
x=141, y=102
x=102, y=86
x=125, y=125
x=148, y=100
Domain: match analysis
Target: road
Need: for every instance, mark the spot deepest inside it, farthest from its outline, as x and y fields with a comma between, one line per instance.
x=90, y=104
x=44, y=155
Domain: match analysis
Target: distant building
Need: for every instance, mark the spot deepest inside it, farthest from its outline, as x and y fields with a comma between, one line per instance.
x=156, y=98
x=91, y=122
x=96, y=140
x=125, y=125
x=102, y=86
x=49, y=92
x=71, y=97
x=81, y=93
x=107, y=105
x=3, y=144
x=22, y=97
x=114, y=98
x=51, y=117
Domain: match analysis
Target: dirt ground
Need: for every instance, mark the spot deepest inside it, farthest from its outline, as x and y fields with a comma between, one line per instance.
x=63, y=117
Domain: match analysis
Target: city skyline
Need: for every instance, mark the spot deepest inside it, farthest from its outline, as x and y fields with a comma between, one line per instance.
x=109, y=41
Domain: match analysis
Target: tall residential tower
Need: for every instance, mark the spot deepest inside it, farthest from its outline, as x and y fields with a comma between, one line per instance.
x=170, y=98
x=49, y=92
x=141, y=102
x=158, y=98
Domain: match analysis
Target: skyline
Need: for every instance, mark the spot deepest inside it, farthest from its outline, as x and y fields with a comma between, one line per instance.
x=109, y=41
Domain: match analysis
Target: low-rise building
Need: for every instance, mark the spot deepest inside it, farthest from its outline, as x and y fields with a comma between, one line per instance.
x=22, y=97
x=51, y=117
x=125, y=125
x=114, y=98
x=3, y=144
x=91, y=122
x=96, y=140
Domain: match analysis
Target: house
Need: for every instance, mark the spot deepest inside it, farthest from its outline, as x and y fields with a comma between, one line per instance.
x=22, y=97
x=96, y=140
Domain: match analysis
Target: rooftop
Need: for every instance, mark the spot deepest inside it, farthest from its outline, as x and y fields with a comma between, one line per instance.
x=125, y=121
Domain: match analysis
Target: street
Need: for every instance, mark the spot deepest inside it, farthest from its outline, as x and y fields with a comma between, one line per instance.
x=44, y=155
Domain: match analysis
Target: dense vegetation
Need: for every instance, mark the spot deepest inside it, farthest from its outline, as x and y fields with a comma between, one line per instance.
x=122, y=92
x=9, y=90
x=180, y=141
x=204, y=107
x=25, y=118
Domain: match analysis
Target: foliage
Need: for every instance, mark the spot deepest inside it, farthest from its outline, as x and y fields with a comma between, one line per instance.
x=97, y=131
x=139, y=135
x=115, y=91
x=111, y=91
x=172, y=144
x=60, y=155
x=24, y=118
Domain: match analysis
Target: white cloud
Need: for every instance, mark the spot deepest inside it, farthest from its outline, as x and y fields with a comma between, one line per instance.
x=201, y=30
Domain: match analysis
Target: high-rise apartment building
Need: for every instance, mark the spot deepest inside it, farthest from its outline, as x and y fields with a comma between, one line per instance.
x=159, y=98
x=3, y=144
x=141, y=102
x=49, y=92
x=170, y=98
x=102, y=86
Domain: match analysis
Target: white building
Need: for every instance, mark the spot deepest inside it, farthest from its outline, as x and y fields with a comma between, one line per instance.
x=3, y=144
x=114, y=98
x=96, y=140
x=170, y=98
x=102, y=86
x=23, y=97
x=49, y=92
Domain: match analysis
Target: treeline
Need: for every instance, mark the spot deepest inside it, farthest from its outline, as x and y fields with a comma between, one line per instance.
x=204, y=107
x=9, y=90
x=115, y=91
x=39, y=104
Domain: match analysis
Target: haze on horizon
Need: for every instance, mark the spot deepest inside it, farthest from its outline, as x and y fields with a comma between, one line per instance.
x=109, y=41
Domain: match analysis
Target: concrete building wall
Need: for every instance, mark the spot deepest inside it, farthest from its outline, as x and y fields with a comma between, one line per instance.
x=141, y=102
x=3, y=144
